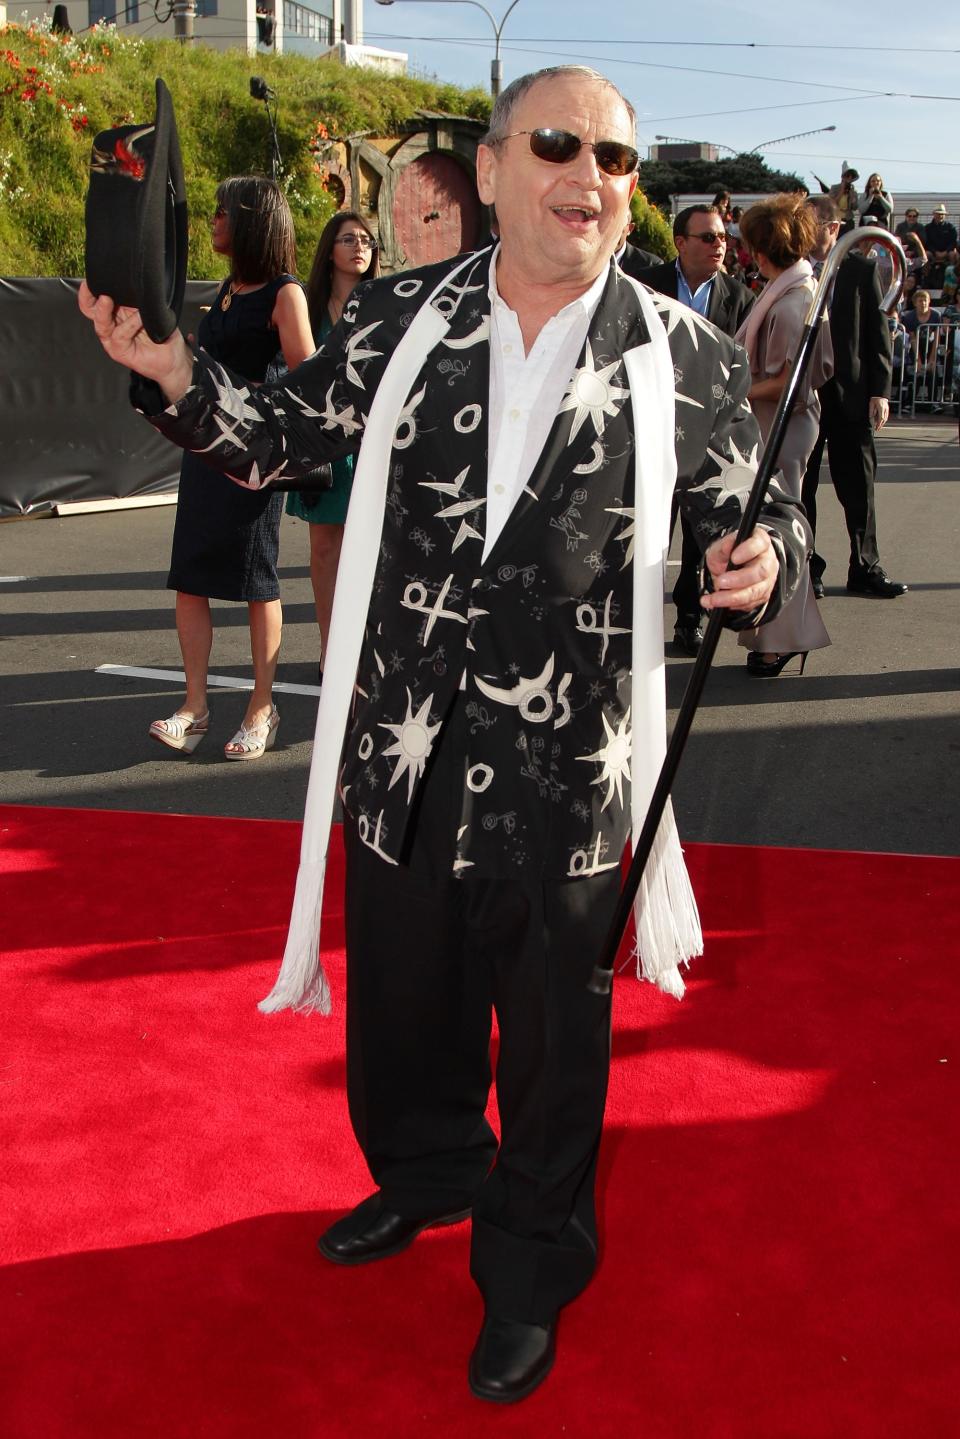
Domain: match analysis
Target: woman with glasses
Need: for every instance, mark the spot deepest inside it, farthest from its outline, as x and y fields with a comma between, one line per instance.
x=225, y=538
x=346, y=252
x=781, y=231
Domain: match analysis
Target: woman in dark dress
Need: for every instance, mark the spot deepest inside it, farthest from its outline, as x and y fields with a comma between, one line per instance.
x=225, y=538
x=346, y=254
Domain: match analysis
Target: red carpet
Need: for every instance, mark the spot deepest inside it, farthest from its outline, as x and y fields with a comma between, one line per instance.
x=779, y=1177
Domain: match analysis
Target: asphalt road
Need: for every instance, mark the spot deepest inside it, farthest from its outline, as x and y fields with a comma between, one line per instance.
x=862, y=752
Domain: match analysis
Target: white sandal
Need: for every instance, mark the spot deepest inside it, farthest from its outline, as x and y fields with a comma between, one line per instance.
x=180, y=731
x=251, y=743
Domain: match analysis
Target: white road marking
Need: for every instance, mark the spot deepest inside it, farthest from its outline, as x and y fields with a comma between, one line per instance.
x=177, y=677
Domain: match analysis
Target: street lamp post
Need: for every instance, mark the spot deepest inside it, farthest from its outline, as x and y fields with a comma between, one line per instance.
x=756, y=149
x=802, y=136
x=496, y=67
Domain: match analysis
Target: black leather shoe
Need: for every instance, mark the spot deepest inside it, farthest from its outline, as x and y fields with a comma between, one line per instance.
x=372, y=1231
x=510, y=1359
x=874, y=582
x=688, y=635
x=816, y=584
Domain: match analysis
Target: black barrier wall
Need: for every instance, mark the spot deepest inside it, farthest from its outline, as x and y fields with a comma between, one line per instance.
x=67, y=431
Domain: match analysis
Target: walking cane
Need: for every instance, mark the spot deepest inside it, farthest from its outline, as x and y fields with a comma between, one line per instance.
x=602, y=977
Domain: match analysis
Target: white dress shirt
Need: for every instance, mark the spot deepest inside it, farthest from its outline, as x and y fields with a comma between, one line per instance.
x=525, y=393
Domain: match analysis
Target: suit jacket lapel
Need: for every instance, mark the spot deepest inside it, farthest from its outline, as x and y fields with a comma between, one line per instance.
x=450, y=398
x=672, y=284
x=719, y=302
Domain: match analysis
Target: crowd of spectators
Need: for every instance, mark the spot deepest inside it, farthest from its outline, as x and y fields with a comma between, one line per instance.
x=927, y=323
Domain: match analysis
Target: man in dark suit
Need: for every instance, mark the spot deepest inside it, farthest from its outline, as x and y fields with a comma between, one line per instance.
x=631, y=259
x=854, y=403
x=696, y=279
x=513, y=411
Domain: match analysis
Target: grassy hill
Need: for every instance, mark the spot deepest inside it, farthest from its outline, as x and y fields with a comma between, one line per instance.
x=57, y=92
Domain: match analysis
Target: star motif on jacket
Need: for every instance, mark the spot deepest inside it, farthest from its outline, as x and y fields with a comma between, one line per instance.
x=615, y=758
x=238, y=413
x=254, y=481
x=675, y=312
x=458, y=509
x=227, y=396
x=591, y=393
x=734, y=480
x=628, y=534
x=356, y=351
x=330, y=415
x=414, y=741
x=243, y=411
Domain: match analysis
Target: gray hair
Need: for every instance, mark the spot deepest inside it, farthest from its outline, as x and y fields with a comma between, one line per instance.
x=501, y=117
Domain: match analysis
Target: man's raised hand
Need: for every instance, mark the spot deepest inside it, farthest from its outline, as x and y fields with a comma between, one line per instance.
x=121, y=333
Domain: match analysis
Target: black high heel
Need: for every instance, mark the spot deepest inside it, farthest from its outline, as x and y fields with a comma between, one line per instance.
x=769, y=669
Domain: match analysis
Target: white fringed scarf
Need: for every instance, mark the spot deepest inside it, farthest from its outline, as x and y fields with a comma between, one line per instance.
x=668, y=926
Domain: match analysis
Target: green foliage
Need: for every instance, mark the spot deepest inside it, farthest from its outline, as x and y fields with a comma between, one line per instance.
x=743, y=174
x=57, y=93
x=651, y=229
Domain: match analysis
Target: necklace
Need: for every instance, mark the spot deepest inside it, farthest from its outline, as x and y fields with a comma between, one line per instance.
x=233, y=288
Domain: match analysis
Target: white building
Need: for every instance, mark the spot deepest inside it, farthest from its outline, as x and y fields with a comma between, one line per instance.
x=308, y=27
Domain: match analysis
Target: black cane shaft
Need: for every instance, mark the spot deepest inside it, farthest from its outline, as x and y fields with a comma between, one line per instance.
x=602, y=974
x=601, y=979
x=691, y=698
x=603, y=970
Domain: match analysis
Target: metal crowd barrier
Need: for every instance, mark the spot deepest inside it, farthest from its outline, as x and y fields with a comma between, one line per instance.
x=926, y=369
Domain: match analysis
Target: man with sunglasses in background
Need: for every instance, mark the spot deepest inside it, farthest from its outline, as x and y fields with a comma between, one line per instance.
x=696, y=278
x=498, y=629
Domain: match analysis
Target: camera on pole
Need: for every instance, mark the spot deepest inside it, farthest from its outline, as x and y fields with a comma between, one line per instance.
x=260, y=90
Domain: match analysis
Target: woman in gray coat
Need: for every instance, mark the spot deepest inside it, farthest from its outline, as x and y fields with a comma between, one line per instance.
x=779, y=233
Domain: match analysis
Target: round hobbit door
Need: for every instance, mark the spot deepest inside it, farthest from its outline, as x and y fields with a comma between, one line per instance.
x=436, y=212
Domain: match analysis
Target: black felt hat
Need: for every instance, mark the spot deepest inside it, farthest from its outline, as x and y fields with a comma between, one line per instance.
x=137, y=219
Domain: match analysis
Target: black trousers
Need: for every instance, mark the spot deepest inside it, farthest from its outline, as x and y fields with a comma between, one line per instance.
x=686, y=591
x=853, y=467
x=430, y=957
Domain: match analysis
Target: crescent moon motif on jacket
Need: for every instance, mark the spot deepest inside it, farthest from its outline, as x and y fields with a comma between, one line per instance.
x=526, y=694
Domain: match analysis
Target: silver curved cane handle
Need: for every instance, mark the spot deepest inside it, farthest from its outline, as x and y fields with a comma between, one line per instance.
x=839, y=253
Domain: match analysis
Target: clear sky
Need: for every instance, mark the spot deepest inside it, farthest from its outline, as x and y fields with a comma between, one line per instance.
x=734, y=74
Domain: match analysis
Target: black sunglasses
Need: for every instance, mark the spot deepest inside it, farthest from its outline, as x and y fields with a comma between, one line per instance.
x=560, y=146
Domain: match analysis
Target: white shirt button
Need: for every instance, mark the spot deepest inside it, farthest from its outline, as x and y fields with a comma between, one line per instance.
x=515, y=414
x=499, y=489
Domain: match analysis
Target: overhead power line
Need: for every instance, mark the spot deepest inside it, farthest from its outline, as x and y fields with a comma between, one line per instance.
x=517, y=49
x=705, y=44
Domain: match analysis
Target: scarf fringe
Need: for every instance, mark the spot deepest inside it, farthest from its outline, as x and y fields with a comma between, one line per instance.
x=302, y=984
x=665, y=913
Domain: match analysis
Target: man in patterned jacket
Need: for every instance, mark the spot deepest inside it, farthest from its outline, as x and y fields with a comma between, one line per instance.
x=524, y=414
